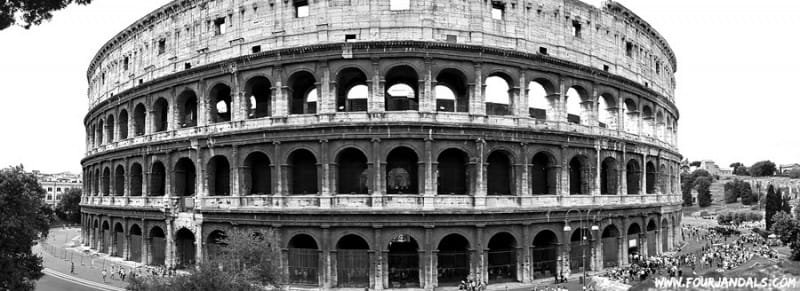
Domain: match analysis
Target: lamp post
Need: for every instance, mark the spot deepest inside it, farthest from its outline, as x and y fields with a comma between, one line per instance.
x=583, y=240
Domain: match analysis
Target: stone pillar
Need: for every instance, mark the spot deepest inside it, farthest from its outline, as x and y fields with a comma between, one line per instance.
x=427, y=266
x=325, y=180
x=327, y=97
x=378, y=187
x=429, y=183
x=281, y=108
x=376, y=101
x=563, y=185
x=477, y=100
x=598, y=170
x=480, y=262
x=480, y=193
x=277, y=173
x=521, y=103
x=327, y=265
x=527, y=276
x=427, y=100
x=523, y=187
x=643, y=178
x=198, y=242
x=126, y=247
x=380, y=279
x=169, y=245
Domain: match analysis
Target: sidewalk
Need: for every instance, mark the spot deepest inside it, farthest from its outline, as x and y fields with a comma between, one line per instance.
x=58, y=254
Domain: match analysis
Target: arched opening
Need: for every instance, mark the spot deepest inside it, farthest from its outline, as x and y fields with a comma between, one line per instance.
x=633, y=242
x=664, y=235
x=452, y=172
x=633, y=175
x=541, y=102
x=185, y=177
x=258, y=91
x=139, y=116
x=119, y=241
x=403, y=262
x=663, y=179
x=401, y=171
x=543, y=174
x=97, y=178
x=351, y=90
x=498, y=174
x=106, y=181
x=651, y=238
x=220, y=103
x=502, y=258
x=650, y=176
x=158, y=246
x=99, y=134
x=185, y=248
x=119, y=181
x=631, y=116
x=660, y=125
x=123, y=124
x=303, y=260
x=647, y=121
x=352, y=262
x=219, y=176
x=303, y=172
x=110, y=128
x=136, y=179
x=157, y=179
x=578, y=105
x=451, y=91
x=353, y=177
x=402, y=89
x=302, y=86
x=135, y=245
x=578, y=175
x=105, y=246
x=545, y=255
x=580, y=254
x=258, y=177
x=608, y=177
x=214, y=244
x=187, y=109
x=160, y=112
x=607, y=111
x=498, y=95
x=453, y=260
x=610, y=246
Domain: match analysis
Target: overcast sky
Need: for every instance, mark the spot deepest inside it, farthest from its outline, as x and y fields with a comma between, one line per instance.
x=737, y=61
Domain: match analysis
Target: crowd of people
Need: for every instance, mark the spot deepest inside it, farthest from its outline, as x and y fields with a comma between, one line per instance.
x=722, y=248
x=121, y=273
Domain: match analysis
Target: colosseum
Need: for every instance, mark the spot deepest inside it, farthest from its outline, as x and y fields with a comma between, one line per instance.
x=386, y=143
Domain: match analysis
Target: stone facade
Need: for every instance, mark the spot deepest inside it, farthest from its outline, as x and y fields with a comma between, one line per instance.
x=377, y=160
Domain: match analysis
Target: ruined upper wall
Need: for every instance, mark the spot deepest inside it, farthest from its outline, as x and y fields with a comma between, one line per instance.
x=189, y=33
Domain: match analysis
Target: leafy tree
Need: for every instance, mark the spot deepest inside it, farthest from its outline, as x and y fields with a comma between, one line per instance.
x=247, y=261
x=22, y=210
x=763, y=168
x=731, y=195
x=695, y=164
x=69, y=207
x=31, y=12
x=741, y=171
x=785, y=227
x=686, y=189
x=746, y=193
x=786, y=205
x=773, y=205
x=736, y=165
x=794, y=173
x=703, y=186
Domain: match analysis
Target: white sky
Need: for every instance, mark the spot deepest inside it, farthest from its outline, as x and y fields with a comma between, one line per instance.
x=736, y=62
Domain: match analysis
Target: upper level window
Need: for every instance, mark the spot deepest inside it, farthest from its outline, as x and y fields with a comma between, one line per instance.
x=399, y=4
x=301, y=9
x=219, y=26
x=162, y=45
x=498, y=10
x=629, y=49
x=576, y=28
x=125, y=63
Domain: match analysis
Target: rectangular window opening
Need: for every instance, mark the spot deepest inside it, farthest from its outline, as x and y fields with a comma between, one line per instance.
x=498, y=10
x=543, y=50
x=162, y=46
x=219, y=26
x=605, y=68
x=256, y=49
x=452, y=38
x=399, y=5
x=301, y=9
x=125, y=63
x=576, y=29
x=187, y=66
x=349, y=37
x=629, y=49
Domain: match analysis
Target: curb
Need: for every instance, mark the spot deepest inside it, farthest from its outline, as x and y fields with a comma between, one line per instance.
x=80, y=281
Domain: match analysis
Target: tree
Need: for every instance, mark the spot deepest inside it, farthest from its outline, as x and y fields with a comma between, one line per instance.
x=741, y=171
x=773, y=205
x=794, y=173
x=785, y=227
x=763, y=168
x=748, y=198
x=23, y=221
x=31, y=12
x=686, y=189
x=703, y=186
x=695, y=164
x=69, y=208
x=736, y=165
x=731, y=195
x=246, y=261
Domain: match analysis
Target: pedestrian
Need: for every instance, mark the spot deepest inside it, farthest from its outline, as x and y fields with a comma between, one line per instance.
x=71, y=267
x=113, y=272
x=104, y=273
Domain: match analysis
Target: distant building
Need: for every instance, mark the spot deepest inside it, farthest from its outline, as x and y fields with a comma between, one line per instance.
x=784, y=169
x=55, y=185
x=711, y=167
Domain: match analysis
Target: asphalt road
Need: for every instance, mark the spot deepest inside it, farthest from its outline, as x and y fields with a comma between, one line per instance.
x=50, y=283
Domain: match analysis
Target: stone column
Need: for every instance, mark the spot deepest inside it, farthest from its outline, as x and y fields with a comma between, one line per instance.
x=563, y=185
x=429, y=183
x=643, y=178
x=527, y=276
x=427, y=101
x=477, y=100
x=326, y=181
x=380, y=279
x=598, y=170
x=327, y=265
x=277, y=174
x=198, y=243
x=169, y=245
x=378, y=187
x=427, y=265
x=376, y=101
x=327, y=97
x=480, y=262
x=480, y=193
x=235, y=176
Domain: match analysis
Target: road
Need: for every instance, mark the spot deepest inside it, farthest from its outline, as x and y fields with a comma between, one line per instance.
x=50, y=283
